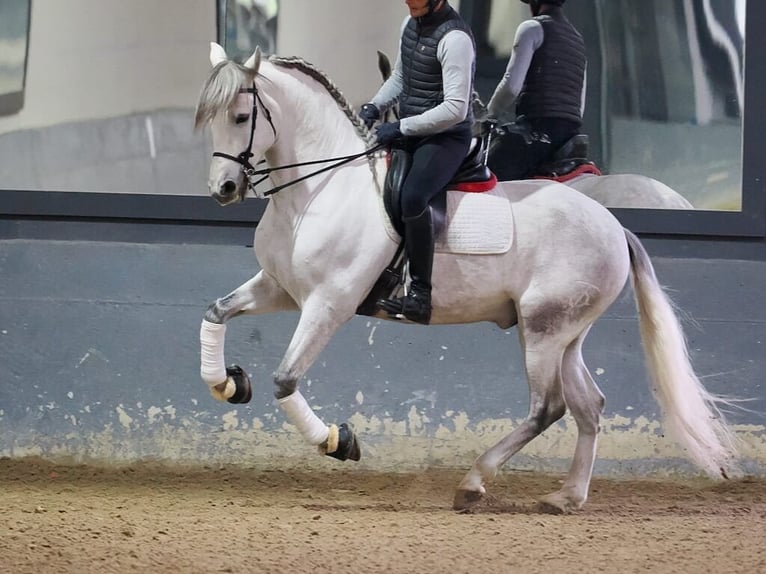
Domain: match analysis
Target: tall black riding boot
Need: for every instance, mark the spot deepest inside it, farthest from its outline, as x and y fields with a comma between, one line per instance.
x=419, y=244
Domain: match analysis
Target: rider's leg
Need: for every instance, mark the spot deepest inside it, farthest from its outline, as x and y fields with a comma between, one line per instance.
x=435, y=160
x=419, y=244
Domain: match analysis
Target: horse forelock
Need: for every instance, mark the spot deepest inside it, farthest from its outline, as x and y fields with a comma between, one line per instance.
x=220, y=90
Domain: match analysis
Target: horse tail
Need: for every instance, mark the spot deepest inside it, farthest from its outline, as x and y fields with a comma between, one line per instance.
x=691, y=414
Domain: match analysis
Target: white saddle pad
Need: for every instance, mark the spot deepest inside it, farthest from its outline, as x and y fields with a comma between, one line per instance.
x=477, y=224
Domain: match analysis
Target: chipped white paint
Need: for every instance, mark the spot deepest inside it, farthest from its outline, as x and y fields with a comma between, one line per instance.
x=125, y=419
x=359, y=397
x=153, y=414
x=630, y=445
x=422, y=396
x=230, y=421
x=599, y=371
x=371, y=338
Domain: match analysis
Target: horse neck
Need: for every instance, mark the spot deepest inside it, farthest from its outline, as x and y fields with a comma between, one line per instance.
x=311, y=126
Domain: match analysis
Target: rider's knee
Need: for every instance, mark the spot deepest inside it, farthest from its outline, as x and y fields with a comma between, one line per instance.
x=413, y=206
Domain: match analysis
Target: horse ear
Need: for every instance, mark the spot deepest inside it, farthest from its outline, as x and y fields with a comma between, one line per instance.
x=254, y=61
x=217, y=54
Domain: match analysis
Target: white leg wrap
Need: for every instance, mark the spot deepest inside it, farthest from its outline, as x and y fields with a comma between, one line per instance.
x=212, y=364
x=299, y=413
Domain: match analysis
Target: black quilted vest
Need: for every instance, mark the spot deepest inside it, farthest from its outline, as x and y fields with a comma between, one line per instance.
x=553, y=86
x=422, y=87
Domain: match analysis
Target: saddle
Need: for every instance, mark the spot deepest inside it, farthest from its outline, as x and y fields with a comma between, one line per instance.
x=569, y=161
x=473, y=176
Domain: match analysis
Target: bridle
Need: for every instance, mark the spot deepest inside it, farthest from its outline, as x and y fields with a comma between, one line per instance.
x=249, y=170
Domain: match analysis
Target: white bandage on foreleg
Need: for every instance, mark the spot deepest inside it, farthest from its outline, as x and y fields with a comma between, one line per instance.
x=300, y=414
x=212, y=364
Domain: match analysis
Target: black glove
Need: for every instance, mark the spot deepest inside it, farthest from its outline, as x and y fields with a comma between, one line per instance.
x=369, y=113
x=388, y=133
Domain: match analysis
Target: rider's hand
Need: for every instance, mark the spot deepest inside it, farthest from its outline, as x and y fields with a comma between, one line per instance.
x=389, y=132
x=369, y=113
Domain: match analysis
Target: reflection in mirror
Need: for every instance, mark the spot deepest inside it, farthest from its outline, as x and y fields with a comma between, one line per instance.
x=14, y=32
x=664, y=95
x=109, y=97
x=108, y=100
x=245, y=24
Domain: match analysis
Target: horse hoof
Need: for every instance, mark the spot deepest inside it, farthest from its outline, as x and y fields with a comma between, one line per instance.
x=465, y=500
x=348, y=447
x=557, y=503
x=244, y=391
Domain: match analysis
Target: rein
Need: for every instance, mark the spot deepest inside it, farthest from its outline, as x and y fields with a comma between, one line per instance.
x=251, y=173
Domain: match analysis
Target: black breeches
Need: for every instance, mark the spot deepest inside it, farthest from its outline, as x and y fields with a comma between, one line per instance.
x=435, y=161
x=511, y=157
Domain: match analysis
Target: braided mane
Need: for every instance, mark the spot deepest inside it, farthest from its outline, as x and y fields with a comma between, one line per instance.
x=297, y=63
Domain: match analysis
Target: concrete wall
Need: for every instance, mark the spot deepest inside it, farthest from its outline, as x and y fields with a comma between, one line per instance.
x=99, y=359
x=94, y=59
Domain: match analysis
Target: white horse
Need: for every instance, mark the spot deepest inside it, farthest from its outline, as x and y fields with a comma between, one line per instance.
x=324, y=240
x=629, y=190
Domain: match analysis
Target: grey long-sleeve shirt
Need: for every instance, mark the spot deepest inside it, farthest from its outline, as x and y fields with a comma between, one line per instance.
x=529, y=37
x=456, y=55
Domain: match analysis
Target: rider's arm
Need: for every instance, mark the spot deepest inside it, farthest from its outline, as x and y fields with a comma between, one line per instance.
x=529, y=37
x=456, y=55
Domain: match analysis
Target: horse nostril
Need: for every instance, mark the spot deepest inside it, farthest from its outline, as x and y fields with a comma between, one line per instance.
x=228, y=187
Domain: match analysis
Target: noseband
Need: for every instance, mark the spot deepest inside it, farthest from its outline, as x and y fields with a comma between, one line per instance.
x=249, y=170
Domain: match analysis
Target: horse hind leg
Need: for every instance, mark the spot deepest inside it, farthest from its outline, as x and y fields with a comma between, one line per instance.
x=546, y=406
x=585, y=402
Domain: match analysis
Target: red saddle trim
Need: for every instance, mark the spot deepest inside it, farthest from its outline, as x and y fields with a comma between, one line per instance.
x=579, y=170
x=475, y=186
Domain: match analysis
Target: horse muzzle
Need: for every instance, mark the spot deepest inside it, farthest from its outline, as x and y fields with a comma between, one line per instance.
x=228, y=192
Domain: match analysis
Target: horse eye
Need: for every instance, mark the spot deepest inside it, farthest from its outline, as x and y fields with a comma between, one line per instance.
x=241, y=118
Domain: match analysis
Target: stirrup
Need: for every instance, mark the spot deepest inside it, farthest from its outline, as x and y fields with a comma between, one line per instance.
x=398, y=308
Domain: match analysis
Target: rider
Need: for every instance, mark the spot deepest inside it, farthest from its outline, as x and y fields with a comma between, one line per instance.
x=432, y=82
x=545, y=78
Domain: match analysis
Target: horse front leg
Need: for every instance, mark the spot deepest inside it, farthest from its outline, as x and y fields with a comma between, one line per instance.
x=261, y=294
x=318, y=323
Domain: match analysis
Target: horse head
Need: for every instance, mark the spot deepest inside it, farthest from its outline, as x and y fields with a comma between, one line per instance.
x=240, y=123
